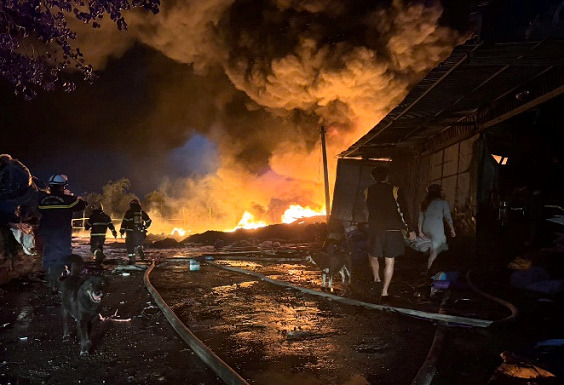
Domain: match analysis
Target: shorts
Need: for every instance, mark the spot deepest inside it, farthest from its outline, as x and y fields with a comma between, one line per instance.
x=385, y=243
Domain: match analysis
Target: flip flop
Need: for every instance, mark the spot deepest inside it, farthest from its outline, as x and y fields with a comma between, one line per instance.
x=376, y=288
x=387, y=299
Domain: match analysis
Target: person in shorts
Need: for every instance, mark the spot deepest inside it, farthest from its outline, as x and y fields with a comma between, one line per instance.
x=388, y=218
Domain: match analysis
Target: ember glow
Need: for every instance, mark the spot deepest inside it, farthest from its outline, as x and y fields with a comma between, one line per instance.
x=295, y=212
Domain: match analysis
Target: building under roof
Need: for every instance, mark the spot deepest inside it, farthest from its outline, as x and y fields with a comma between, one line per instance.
x=485, y=124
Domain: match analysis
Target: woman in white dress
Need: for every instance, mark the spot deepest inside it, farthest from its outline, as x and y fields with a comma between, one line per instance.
x=434, y=213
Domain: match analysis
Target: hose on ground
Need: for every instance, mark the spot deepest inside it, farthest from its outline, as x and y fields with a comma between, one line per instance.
x=512, y=308
x=224, y=371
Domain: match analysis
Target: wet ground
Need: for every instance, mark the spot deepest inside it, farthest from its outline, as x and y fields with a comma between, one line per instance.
x=267, y=333
x=271, y=334
x=137, y=347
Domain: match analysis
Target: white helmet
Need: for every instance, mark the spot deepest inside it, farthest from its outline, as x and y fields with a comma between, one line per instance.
x=58, y=180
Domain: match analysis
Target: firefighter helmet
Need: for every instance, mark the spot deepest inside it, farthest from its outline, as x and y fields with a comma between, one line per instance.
x=135, y=204
x=97, y=207
x=58, y=180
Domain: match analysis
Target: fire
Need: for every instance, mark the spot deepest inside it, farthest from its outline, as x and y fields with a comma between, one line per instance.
x=179, y=231
x=295, y=212
x=248, y=222
x=291, y=214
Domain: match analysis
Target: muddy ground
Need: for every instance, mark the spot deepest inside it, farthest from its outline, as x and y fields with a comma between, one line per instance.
x=274, y=335
x=143, y=350
x=268, y=334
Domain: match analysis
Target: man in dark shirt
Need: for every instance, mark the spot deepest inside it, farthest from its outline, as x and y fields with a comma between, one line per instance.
x=134, y=224
x=98, y=223
x=387, y=217
x=55, y=226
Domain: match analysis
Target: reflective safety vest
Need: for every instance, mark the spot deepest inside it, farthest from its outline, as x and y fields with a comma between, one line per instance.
x=98, y=223
x=56, y=210
x=135, y=220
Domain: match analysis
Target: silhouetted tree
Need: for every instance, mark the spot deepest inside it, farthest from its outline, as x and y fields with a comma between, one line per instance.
x=116, y=197
x=35, y=39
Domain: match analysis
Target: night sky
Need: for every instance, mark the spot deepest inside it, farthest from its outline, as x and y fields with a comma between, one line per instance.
x=101, y=131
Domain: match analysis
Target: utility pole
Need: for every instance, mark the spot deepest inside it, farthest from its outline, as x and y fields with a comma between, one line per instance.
x=326, y=174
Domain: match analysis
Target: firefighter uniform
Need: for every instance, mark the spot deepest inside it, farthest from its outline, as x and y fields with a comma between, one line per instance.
x=134, y=224
x=55, y=230
x=98, y=223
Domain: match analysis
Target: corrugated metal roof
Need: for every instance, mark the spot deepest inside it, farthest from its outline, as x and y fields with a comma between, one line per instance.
x=471, y=80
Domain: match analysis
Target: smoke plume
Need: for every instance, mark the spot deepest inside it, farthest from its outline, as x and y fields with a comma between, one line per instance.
x=257, y=79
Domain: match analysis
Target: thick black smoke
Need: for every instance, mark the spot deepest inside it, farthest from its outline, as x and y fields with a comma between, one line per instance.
x=256, y=78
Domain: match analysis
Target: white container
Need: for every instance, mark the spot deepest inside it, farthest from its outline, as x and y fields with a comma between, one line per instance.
x=194, y=265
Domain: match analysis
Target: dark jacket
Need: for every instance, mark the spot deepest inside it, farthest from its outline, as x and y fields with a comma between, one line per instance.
x=99, y=222
x=384, y=210
x=135, y=220
x=56, y=210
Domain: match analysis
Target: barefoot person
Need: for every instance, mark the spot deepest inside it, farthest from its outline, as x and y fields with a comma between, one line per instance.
x=434, y=212
x=387, y=217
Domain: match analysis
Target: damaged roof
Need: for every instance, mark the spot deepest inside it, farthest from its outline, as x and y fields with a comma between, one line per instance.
x=478, y=85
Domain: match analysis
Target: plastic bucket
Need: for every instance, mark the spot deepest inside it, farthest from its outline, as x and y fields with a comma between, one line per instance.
x=194, y=265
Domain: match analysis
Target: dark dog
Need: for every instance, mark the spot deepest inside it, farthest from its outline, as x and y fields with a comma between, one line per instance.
x=330, y=263
x=81, y=297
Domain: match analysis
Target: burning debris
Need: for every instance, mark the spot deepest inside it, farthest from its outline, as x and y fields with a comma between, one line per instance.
x=267, y=237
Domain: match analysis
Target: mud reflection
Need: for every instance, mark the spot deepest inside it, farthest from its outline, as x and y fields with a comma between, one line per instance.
x=275, y=335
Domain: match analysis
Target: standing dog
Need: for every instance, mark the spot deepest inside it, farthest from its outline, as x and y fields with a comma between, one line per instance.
x=330, y=263
x=81, y=297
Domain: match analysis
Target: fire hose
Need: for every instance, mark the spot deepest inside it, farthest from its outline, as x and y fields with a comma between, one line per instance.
x=224, y=371
x=449, y=319
x=227, y=374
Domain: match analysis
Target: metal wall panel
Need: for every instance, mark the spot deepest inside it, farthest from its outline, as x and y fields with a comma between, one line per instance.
x=452, y=169
x=450, y=160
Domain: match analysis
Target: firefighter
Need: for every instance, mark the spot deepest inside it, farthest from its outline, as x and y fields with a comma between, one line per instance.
x=134, y=224
x=98, y=223
x=55, y=226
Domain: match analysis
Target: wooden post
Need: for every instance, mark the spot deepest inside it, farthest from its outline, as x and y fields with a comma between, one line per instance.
x=326, y=174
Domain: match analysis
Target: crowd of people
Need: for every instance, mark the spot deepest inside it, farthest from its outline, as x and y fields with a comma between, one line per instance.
x=49, y=210
x=52, y=207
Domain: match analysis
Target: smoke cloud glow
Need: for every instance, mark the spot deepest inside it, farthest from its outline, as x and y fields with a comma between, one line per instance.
x=257, y=79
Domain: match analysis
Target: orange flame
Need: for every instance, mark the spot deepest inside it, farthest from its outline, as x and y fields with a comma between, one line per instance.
x=181, y=232
x=295, y=212
x=292, y=213
x=248, y=222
